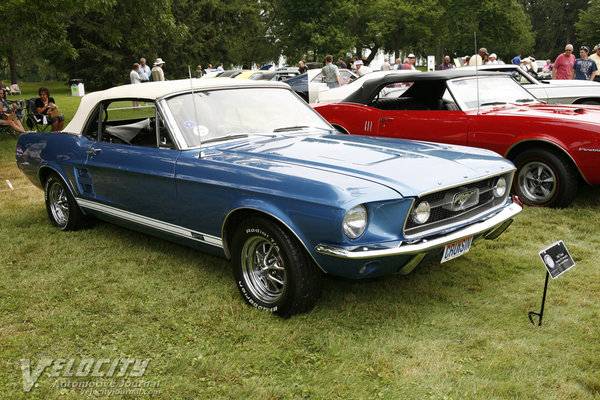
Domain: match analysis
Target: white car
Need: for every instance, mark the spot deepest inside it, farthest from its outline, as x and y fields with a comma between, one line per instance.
x=553, y=91
x=328, y=95
x=309, y=84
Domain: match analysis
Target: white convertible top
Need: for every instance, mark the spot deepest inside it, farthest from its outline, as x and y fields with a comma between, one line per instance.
x=154, y=91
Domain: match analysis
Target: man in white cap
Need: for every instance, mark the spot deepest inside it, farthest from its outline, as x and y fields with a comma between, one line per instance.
x=410, y=62
x=361, y=69
x=157, y=71
x=492, y=59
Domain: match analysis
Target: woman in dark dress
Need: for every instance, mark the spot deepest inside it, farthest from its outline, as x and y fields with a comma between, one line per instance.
x=44, y=104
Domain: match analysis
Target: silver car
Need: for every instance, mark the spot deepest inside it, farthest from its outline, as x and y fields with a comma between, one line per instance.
x=551, y=91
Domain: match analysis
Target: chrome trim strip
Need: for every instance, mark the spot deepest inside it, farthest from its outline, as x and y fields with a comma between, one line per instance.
x=151, y=223
x=425, y=245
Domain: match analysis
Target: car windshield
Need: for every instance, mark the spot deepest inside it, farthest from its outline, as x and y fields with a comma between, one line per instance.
x=233, y=113
x=490, y=91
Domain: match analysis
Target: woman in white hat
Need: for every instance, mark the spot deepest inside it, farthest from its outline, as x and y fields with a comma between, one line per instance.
x=157, y=71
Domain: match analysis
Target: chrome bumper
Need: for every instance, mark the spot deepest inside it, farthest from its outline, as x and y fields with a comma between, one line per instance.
x=425, y=245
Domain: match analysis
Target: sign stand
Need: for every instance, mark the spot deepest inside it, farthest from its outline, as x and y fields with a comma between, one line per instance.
x=557, y=260
x=541, y=313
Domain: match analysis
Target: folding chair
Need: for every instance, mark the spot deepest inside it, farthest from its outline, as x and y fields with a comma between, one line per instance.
x=19, y=112
x=35, y=120
x=14, y=89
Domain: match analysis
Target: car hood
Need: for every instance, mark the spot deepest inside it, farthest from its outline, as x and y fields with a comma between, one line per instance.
x=567, y=113
x=408, y=167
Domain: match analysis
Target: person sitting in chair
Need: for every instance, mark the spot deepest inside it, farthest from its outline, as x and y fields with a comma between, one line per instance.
x=7, y=114
x=44, y=106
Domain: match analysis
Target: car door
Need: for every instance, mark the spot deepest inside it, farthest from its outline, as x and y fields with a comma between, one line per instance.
x=127, y=171
x=446, y=124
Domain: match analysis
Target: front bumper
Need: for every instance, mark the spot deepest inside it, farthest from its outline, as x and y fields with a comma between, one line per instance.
x=487, y=227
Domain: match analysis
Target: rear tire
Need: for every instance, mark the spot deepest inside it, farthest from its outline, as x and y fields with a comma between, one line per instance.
x=63, y=211
x=545, y=178
x=272, y=270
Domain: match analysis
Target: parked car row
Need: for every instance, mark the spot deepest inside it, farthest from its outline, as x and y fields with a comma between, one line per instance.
x=553, y=146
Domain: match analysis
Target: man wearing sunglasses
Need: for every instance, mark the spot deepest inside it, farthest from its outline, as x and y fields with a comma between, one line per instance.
x=563, y=66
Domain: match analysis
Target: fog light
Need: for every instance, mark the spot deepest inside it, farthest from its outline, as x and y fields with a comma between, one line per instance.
x=421, y=213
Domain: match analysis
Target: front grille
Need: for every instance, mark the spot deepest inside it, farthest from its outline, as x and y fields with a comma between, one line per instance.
x=452, y=207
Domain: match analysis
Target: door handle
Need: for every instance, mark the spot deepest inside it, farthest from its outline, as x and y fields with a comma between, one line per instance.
x=383, y=119
x=92, y=151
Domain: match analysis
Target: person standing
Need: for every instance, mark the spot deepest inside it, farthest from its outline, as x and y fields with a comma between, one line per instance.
x=144, y=71
x=596, y=58
x=410, y=62
x=342, y=63
x=331, y=74
x=480, y=58
x=493, y=59
x=386, y=65
x=361, y=69
x=157, y=71
x=584, y=69
x=302, y=68
x=447, y=64
x=398, y=64
x=517, y=59
x=134, y=75
x=563, y=65
x=198, y=74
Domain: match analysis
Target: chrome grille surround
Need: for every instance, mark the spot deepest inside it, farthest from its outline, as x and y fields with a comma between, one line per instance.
x=455, y=206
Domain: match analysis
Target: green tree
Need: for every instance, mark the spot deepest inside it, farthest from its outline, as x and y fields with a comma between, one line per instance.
x=312, y=29
x=554, y=24
x=34, y=28
x=588, y=28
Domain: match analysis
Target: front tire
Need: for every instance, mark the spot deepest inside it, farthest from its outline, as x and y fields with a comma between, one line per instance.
x=545, y=178
x=272, y=271
x=61, y=206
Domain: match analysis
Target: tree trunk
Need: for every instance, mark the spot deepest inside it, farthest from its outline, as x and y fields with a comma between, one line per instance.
x=12, y=64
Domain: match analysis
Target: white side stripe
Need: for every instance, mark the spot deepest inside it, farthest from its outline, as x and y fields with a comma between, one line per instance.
x=151, y=222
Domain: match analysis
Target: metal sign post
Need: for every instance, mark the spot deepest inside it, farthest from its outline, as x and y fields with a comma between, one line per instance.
x=557, y=260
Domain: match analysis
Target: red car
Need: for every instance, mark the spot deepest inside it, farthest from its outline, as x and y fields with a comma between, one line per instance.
x=553, y=146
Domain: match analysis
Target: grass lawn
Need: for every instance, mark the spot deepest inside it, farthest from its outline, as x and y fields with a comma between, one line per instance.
x=453, y=331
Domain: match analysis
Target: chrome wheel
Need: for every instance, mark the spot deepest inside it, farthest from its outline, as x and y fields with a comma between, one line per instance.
x=58, y=204
x=537, y=181
x=263, y=269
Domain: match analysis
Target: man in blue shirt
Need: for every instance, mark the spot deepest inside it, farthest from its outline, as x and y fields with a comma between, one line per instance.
x=584, y=69
x=517, y=59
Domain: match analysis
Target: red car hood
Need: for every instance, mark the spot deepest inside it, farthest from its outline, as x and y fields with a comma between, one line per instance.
x=567, y=112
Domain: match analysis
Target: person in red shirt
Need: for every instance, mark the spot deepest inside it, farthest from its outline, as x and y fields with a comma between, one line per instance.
x=563, y=66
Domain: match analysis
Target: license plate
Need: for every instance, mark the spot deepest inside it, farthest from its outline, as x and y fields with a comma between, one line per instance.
x=457, y=249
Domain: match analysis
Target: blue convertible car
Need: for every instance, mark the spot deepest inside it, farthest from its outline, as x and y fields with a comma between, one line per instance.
x=267, y=184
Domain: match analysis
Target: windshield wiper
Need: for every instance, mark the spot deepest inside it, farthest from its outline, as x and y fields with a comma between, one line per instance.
x=226, y=137
x=493, y=103
x=290, y=128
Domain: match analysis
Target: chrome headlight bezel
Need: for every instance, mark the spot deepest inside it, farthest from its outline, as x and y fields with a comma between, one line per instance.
x=421, y=213
x=355, y=221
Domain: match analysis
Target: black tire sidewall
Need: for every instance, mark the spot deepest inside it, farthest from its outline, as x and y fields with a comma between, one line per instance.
x=289, y=252
x=72, y=222
x=566, y=183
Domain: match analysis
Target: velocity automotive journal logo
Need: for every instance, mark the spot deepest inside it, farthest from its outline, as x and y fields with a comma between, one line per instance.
x=115, y=374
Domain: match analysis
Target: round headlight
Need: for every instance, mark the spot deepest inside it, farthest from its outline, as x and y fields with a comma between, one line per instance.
x=355, y=221
x=499, y=189
x=421, y=213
